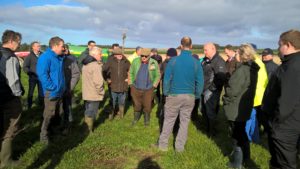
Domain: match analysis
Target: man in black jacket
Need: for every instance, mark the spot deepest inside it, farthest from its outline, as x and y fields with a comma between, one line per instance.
x=29, y=68
x=11, y=90
x=214, y=70
x=281, y=103
x=267, y=57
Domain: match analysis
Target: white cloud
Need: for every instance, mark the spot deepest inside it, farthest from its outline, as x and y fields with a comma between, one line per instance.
x=164, y=22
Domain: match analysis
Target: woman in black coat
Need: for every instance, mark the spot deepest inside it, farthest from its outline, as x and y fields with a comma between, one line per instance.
x=238, y=102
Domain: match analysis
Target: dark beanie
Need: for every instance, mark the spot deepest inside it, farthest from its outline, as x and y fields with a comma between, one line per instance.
x=171, y=52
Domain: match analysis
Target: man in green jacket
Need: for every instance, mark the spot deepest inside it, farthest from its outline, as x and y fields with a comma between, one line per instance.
x=143, y=78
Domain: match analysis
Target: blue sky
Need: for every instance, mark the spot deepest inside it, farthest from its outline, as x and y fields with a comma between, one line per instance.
x=157, y=23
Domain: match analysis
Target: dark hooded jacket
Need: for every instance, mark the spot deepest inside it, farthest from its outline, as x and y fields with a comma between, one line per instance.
x=239, y=94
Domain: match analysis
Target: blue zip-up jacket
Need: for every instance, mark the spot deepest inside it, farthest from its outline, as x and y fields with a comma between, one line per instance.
x=50, y=71
x=183, y=75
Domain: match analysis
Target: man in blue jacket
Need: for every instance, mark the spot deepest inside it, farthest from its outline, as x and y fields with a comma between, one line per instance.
x=183, y=82
x=50, y=71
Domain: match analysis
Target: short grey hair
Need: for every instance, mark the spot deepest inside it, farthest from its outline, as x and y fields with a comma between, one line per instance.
x=95, y=50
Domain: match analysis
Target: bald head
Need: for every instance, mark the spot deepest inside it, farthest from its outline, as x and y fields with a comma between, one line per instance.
x=210, y=50
x=186, y=43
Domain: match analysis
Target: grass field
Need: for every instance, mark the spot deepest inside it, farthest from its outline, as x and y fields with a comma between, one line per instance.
x=117, y=145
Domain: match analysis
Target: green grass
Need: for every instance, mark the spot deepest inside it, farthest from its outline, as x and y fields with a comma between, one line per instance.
x=117, y=145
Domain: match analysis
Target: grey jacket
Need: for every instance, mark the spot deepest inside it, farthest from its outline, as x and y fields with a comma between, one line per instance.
x=72, y=72
x=10, y=71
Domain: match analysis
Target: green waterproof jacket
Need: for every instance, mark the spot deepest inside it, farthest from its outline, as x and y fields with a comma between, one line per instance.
x=239, y=94
x=153, y=68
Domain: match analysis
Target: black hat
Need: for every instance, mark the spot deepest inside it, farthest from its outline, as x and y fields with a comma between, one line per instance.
x=267, y=51
x=171, y=52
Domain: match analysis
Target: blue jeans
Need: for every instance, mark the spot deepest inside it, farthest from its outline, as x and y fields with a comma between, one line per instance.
x=91, y=108
x=120, y=97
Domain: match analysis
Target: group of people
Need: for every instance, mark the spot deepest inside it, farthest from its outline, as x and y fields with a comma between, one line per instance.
x=251, y=85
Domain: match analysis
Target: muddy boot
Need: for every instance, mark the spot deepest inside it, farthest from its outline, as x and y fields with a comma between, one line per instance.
x=146, y=119
x=111, y=115
x=121, y=111
x=137, y=116
x=236, y=158
x=89, y=122
x=5, y=155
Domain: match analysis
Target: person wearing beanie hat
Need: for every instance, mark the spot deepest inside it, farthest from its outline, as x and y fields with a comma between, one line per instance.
x=267, y=57
x=171, y=52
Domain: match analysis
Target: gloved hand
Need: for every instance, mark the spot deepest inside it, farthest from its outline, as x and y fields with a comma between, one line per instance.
x=207, y=94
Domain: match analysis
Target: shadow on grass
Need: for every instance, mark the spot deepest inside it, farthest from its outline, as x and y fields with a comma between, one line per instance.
x=51, y=156
x=30, y=124
x=148, y=163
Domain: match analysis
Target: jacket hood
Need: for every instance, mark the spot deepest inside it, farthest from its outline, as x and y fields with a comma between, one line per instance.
x=253, y=66
x=88, y=60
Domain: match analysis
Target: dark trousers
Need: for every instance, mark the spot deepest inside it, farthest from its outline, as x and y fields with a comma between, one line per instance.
x=52, y=113
x=157, y=96
x=240, y=137
x=210, y=109
x=91, y=108
x=142, y=99
x=110, y=96
x=283, y=141
x=67, y=107
x=33, y=81
x=10, y=113
x=261, y=118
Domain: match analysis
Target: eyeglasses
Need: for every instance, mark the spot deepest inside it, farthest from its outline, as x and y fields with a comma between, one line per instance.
x=144, y=56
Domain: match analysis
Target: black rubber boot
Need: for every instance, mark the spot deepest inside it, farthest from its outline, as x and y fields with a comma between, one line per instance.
x=147, y=119
x=137, y=116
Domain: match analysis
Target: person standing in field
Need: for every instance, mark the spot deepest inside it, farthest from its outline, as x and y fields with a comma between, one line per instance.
x=143, y=78
x=92, y=85
x=214, y=79
x=183, y=82
x=72, y=76
x=50, y=70
x=281, y=104
x=11, y=90
x=117, y=79
x=238, y=103
x=29, y=68
x=267, y=57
